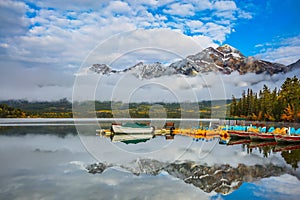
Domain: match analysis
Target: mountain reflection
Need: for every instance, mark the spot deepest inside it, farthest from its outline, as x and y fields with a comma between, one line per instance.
x=222, y=179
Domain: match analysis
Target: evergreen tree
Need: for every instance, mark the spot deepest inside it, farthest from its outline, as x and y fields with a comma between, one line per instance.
x=276, y=105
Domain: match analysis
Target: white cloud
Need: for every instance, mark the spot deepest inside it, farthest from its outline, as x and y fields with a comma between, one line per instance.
x=224, y=5
x=77, y=5
x=180, y=9
x=215, y=31
x=203, y=5
x=286, y=51
x=194, y=25
x=175, y=88
x=227, y=14
x=284, y=55
x=163, y=43
x=292, y=40
x=245, y=15
x=204, y=41
x=225, y=10
x=12, y=19
x=117, y=7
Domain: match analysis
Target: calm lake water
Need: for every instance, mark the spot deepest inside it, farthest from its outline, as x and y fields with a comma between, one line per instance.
x=56, y=160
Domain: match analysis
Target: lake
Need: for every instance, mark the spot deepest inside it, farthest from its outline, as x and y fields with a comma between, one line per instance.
x=44, y=159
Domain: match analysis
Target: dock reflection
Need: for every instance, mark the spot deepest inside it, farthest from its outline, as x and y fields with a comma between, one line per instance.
x=289, y=151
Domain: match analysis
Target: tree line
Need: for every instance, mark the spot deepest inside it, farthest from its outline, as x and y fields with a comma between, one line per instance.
x=270, y=105
x=11, y=112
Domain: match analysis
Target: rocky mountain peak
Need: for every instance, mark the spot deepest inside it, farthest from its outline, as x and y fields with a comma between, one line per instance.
x=142, y=70
x=229, y=50
x=224, y=59
x=101, y=69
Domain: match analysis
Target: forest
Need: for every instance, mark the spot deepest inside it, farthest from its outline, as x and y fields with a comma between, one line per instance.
x=11, y=112
x=270, y=105
x=109, y=109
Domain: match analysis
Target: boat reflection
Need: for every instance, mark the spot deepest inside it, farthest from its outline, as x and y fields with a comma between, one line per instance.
x=131, y=138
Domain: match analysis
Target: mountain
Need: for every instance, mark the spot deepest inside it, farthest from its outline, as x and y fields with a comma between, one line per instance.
x=294, y=66
x=224, y=59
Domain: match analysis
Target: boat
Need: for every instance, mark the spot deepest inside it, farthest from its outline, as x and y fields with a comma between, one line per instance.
x=287, y=138
x=132, y=128
x=251, y=132
x=237, y=131
x=131, y=132
x=261, y=136
x=200, y=132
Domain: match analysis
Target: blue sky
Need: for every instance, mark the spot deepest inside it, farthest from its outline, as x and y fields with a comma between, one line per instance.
x=273, y=22
x=54, y=37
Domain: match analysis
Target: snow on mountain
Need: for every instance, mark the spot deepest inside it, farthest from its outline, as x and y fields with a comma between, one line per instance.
x=149, y=71
x=224, y=59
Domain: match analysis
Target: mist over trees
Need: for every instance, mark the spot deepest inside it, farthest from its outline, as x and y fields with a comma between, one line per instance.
x=270, y=105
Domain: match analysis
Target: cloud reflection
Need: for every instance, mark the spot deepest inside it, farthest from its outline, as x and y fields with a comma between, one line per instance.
x=52, y=167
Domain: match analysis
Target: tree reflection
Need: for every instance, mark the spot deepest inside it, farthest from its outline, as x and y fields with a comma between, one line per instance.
x=291, y=157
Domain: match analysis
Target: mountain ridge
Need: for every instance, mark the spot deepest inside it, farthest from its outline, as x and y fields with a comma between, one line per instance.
x=223, y=59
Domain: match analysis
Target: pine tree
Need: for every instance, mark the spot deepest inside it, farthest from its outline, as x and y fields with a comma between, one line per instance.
x=283, y=104
x=233, y=107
